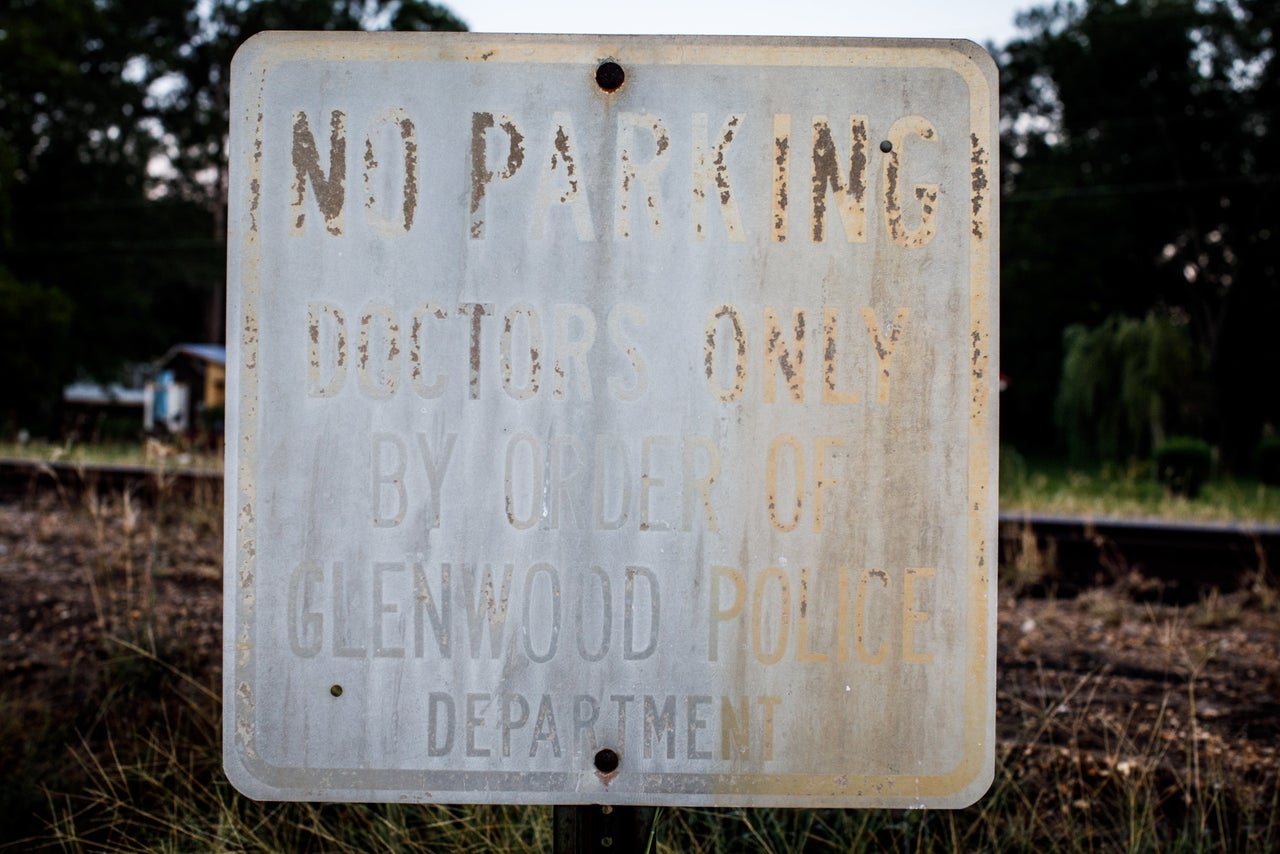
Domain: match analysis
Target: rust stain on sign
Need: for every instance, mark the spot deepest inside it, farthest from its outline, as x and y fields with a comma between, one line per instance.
x=410, y=172
x=570, y=168
x=850, y=193
x=781, y=162
x=329, y=189
x=481, y=175
x=739, y=353
x=979, y=183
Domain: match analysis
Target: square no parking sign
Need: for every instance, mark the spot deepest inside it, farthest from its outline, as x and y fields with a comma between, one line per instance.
x=611, y=419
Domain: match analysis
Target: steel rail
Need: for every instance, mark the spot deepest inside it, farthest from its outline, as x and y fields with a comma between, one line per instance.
x=1172, y=561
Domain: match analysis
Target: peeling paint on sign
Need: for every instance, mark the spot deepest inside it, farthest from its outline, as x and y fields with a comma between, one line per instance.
x=570, y=461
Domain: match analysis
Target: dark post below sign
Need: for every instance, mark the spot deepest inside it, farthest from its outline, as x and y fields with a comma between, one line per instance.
x=612, y=420
x=604, y=828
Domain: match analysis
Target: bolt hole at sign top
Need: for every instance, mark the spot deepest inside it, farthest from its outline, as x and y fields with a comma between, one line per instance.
x=610, y=76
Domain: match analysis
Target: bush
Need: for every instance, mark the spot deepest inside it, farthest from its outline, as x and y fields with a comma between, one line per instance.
x=1183, y=464
x=1126, y=382
x=211, y=420
x=1266, y=461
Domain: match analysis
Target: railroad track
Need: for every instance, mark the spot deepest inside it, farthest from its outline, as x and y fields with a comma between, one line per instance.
x=22, y=477
x=1043, y=553
x=1170, y=561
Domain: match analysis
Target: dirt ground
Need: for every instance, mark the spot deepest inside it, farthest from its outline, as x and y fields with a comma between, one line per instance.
x=1116, y=685
x=1103, y=682
x=74, y=571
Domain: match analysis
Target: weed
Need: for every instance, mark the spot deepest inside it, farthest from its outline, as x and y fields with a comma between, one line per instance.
x=1025, y=564
x=1104, y=606
x=1216, y=610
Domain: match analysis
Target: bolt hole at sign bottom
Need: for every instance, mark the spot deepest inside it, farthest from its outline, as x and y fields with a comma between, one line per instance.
x=610, y=76
x=336, y=690
x=607, y=761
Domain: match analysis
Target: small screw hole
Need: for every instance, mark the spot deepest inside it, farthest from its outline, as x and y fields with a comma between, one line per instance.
x=336, y=690
x=886, y=146
x=606, y=761
x=610, y=76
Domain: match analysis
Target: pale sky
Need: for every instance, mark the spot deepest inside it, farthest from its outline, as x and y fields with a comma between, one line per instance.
x=979, y=20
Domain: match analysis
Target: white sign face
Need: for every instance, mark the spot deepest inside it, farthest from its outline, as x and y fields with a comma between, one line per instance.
x=611, y=433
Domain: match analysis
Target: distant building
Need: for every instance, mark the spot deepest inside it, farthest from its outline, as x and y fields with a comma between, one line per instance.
x=188, y=391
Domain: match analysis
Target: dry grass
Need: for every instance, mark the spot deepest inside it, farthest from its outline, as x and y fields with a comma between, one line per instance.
x=120, y=750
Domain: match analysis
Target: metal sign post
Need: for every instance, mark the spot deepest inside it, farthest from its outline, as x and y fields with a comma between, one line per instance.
x=605, y=829
x=612, y=420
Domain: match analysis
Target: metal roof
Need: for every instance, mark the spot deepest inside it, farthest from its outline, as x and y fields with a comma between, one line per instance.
x=102, y=395
x=213, y=353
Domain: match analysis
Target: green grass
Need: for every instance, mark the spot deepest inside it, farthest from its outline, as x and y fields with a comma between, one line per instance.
x=168, y=455
x=1026, y=485
x=1129, y=491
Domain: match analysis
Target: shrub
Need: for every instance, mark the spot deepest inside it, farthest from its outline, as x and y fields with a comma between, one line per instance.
x=1126, y=382
x=211, y=420
x=1183, y=464
x=1266, y=461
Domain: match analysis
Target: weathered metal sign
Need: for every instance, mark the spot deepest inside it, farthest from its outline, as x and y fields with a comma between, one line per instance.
x=612, y=419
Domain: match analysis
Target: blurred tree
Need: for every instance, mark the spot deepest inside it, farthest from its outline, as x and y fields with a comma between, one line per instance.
x=1128, y=384
x=35, y=324
x=1139, y=174
x=75, y=145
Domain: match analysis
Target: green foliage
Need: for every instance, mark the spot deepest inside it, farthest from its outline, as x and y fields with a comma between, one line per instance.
x=1126, y=384
x=1128, y=489
x=77, y=128
x=1183, y=464
x=71, y=114
x=1139, y=158
x=1266, y=460
x=211, y=419
x=35, y=324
